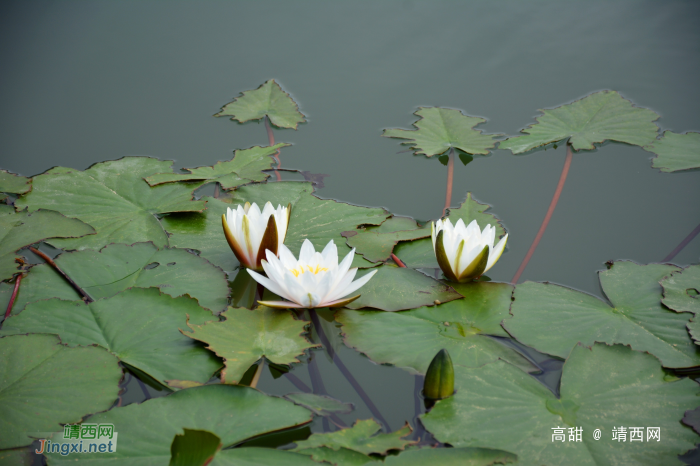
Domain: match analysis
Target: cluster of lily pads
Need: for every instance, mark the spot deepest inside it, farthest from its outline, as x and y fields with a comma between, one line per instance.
x=146, y=282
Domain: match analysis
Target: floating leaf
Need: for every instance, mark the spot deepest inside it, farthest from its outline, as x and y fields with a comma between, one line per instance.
x=114, y=199
x=119, y=266
x=23, y=229
x=246, y=336
x=11, y=183
x=395, y=289
x=139, y=326
x=44, y=384
x=360, y=438
x=233, y=413
x=636, y=318
x=252, y=456
x=246, y=166
x=675, y=152
x=499, y=406
x=598, y=117
x=420, y=254
x=312, y=218
x=321, y=405
x=377, y=245
x=682, y=290
x=194, y=448
x=451, y=457
x=18, y=457
x=268, y=99
x=410, y=339
x=440, y=129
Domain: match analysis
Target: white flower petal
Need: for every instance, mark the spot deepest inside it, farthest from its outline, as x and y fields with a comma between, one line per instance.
x=358, y=283
x=307, y=252
x=267, y=283
x=495, y=254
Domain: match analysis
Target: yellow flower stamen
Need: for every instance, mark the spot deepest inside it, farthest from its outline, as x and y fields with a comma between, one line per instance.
x=315, y=271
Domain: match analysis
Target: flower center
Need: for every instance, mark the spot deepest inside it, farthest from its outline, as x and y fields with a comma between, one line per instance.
x=308, y=268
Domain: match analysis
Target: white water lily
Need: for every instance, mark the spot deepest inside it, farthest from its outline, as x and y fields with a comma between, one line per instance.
x=315, y=280
x=251, y=232
x=465, y=253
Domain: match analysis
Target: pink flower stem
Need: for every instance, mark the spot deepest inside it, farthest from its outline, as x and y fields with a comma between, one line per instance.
x=271, y=139
x=18, y=280
x=550, y=211
x=86, y=296
x=450, y=174
x=683, y=244
x=397, y=260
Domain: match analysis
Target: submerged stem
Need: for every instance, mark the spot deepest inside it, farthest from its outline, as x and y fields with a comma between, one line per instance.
x=258, y=371
x=271, y=139
x=450, y=174
x=550, y=211
x=683, y=244
x=50, y=261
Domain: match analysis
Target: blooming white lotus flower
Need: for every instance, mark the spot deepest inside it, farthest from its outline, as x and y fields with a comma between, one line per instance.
x=465, y=253
x=250, y=232
x=315, y=280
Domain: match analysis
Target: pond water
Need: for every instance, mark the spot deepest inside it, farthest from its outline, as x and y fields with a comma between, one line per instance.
x=85, y=82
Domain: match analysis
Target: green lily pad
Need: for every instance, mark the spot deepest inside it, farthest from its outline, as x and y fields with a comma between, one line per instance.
x=246, y=336
x=340, y=457
x=321, y=405
x=23, y=229
x=18, y=457
x=118, y=267
x=598, y=117
x=268, y=99
x=499, y=406
x=419, y=254
x=233, y=413
x=139, y=326
x=682, y=290
x=398, y=288
x=360, y=438
x=377, y=245
x=440, y=129
x=252, y=456
x=636, y=318
x=44, y=384
x=410, y=339
x=675, y=152
x=312, y=218
x=11, y=183
x=113, y=198
x=246, y=166
x=451, y=457
x=194, y=448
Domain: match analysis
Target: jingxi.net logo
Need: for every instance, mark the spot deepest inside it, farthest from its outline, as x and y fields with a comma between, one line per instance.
x=81, y=438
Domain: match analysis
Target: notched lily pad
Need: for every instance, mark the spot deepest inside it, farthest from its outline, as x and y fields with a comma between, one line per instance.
x=410, y=339
x=636, y=318
x=139, y=326
x=246, y=166
x=395, y=289
x=24, y=228
x=16, y=184
x=232, y=413
x=117, y=267
x=377, y=243
x=598, y=117
x=268, y=99
x=246, y=336
x=321, y=405
x=44, y=384
x=440, y=129
x=114, y=199
x=499, y=406
x=682, y=290
x=675, y=152
x=451, y=457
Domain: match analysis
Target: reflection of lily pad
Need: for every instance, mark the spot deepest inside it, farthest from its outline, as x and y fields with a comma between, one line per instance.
x=113, y=198
x=22, y=229
x=245, y=167
x=246, y=336
x=410, y=339
x=118, y=267
x=377, y=243
x=11, y=183
x=637, y=317
x=499, y=406
x=675, y=152
x=362, y=437
x=439, y=129
x=593, y=119
x=233, y=413
x=268, y=99
x=420, y=254
x=682, y=290
x=321, y=405
x=312, y=218
x=395, y=289
x=139, y=326
x=44, y=384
